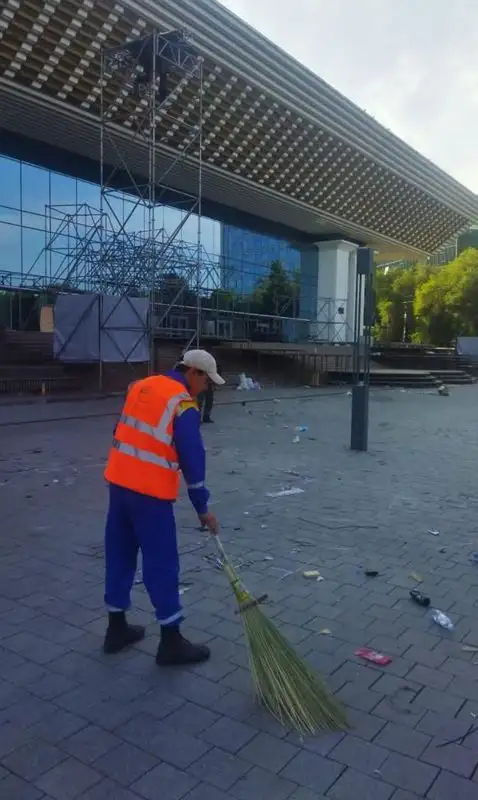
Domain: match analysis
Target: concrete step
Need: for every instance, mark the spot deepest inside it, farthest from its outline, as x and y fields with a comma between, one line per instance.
x=453, y=377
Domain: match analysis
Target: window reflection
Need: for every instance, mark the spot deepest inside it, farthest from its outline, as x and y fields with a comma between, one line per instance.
x=63, y=191
x=60, y=254
x=33, y=252
x=10, y=246
x=35, y=220
x=114, y=207
x=88, y=193
x=34, y=203
x=35, y=184
x=10, y=183
x=136, y=219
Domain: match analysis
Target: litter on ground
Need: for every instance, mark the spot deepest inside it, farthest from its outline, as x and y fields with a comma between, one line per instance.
x=286, y=492
x=419, y=598
x=373, y=656
x=442, y=620
x=416, y=577
x=247, y=384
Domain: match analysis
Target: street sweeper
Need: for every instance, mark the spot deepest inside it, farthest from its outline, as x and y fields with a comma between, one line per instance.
x=157, y=438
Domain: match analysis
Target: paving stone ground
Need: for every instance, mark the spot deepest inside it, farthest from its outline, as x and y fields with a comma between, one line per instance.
x=77, y=724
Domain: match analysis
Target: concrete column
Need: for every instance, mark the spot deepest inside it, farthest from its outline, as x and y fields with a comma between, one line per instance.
x=328, y=280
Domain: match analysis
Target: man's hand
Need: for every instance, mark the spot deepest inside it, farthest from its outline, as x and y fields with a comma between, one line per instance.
x=209, y=521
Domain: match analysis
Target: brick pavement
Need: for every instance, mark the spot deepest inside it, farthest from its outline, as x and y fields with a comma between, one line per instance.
x=75, y=724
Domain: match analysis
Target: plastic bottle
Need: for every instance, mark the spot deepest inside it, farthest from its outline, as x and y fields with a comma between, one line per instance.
x=442, y=620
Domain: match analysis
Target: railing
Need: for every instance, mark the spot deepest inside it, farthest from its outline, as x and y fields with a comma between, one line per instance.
x=38, y=385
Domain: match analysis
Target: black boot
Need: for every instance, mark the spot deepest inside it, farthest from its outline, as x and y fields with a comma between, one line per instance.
x=208, y=420
x=119, y=634
x=174, y=649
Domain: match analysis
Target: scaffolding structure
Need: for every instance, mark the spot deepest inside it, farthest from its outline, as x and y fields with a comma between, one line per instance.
x=119, y=251
x=332, y=325
x=140, y=85
x=84, y=253
x=73, y=261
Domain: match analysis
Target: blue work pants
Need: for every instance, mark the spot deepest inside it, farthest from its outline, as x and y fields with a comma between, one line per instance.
x=136, y=521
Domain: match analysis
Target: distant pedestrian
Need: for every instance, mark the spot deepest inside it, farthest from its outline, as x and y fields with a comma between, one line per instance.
x=206, y=400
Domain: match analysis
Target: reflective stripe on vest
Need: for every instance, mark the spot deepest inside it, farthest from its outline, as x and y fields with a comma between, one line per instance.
x=144, y=455
x=158, y=432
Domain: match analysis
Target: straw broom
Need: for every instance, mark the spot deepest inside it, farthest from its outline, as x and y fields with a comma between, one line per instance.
x=284, y=683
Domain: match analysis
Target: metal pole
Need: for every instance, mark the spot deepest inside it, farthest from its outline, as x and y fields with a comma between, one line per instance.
x=152, y=196
x=102, y=228
x=199, y=211
x=361, y=388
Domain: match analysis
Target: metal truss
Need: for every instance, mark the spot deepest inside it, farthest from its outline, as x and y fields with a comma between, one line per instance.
x=141, y=83
x=331, y=325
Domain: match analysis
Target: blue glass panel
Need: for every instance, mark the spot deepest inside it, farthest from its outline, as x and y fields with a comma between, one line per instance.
x=10, y=183
x=63, y=191
x=35, y=220
x=10, y=244
x=134, y=218
x=88, y=193
x=247, y=257
x=33, y=250
x=35, y=184
x=114, y=207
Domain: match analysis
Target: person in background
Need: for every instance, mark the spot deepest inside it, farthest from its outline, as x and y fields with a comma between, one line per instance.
x=206, y=399
x=157, y=437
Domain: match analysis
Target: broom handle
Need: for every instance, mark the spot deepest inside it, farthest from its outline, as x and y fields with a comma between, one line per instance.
x=227, y=567
x=220, y=547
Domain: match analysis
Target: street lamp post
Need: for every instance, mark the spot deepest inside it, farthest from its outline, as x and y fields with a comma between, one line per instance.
x=363, y=322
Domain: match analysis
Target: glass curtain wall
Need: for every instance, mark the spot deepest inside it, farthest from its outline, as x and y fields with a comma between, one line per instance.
x=33, y=205
x=247, y=258
x=239, y=291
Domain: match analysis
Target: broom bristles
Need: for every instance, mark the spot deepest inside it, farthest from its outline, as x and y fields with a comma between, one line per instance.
x=284, y=683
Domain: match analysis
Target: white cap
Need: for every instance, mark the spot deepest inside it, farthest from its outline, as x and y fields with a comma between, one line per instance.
x=205, y=362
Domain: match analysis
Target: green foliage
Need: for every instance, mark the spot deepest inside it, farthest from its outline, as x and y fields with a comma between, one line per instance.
x=278, y=293
x=439, y=302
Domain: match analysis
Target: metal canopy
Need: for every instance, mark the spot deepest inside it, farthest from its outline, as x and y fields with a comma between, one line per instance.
x=322, y=167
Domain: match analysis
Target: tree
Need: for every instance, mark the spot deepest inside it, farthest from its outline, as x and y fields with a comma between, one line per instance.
x=173, y=289
x=395, y=294
x=278, y=293
x=221, y=299
x=441, y=302
x=447, y=303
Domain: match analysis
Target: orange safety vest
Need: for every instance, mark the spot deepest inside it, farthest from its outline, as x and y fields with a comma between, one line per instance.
x=143, y=457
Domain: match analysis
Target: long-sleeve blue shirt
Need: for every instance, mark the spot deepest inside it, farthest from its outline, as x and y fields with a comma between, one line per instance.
x=189, y=445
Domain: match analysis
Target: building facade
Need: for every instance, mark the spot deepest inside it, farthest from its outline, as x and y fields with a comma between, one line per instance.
x=47, y=217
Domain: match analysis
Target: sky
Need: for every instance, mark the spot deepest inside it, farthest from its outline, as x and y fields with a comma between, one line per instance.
x=411, y=64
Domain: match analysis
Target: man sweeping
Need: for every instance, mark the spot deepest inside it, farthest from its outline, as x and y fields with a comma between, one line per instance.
x=157, y=437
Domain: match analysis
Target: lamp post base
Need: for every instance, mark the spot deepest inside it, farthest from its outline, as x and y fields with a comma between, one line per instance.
x=359, y=427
